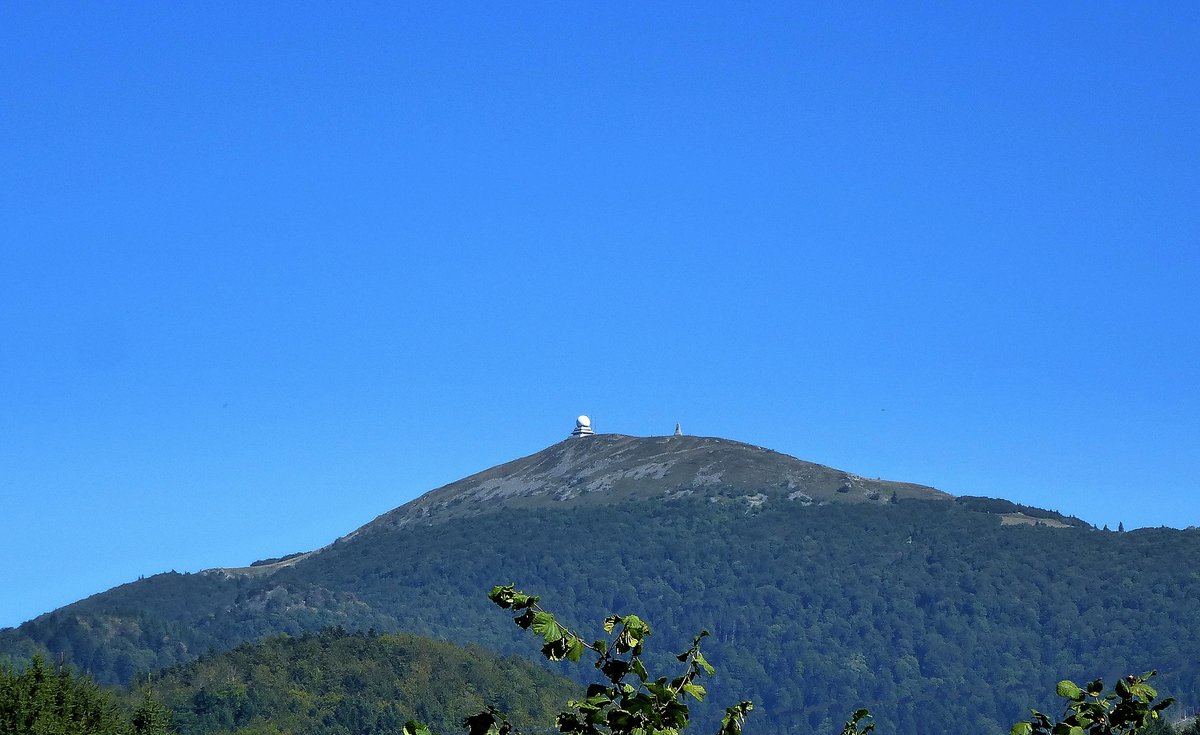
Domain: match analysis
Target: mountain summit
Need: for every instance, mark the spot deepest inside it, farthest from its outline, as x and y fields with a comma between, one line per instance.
x=611, y=468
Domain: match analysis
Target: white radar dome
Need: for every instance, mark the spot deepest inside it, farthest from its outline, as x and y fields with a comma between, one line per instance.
x=583, y=427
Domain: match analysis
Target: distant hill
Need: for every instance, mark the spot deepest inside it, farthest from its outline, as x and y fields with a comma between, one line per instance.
x=334, y=683
x=824, y=590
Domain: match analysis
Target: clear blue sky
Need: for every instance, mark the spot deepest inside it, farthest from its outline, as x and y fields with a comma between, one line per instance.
x=269, y=270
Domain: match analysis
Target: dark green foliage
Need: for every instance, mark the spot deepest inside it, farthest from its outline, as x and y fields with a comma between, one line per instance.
x=45, y=701
x=859, y=723
x=934, y=616
x=630, y=700
x=334, y=683
x=1129, y=709
x=1001, y=506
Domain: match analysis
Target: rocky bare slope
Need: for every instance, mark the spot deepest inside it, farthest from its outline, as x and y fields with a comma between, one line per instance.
x=612, y=468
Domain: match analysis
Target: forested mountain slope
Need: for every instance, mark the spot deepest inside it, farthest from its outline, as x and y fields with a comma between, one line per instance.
x=335, y=683
x=824, y=591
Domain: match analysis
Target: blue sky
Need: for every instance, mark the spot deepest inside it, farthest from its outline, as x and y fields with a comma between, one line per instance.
x=268, y=271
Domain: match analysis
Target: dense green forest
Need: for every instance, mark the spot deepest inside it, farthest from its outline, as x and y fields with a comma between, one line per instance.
x=935, y=617
x=335, y=683
x=329, y=683
x=44, y=700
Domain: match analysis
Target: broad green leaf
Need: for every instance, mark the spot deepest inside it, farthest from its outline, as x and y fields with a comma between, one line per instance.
x=1143, y=690
x=547, y=627
x=575, y=649
x=1068, y=690
x=636, y=627
x=1021, y=728
x=502, y=595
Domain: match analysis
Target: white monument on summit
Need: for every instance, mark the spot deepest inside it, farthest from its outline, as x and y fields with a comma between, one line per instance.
x=583, y=427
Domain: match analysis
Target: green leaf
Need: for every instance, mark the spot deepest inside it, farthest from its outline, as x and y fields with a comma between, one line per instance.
x=695, y=690
x=575, y=649
x=502, y=596
x=1143, y=690
x=1068, y=690
x=660, y=690
x=520, y=600
x=547, y=627
x=1021, y=728
x=636, y=627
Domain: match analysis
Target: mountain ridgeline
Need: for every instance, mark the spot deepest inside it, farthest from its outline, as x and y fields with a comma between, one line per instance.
x=823, y=590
